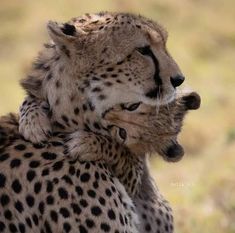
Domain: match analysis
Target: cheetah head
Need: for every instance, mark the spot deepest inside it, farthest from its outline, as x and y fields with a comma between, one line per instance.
x=100, y=60
x=143, y=130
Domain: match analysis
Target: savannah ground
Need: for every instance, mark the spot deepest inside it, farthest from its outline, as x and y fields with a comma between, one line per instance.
x=201, y=187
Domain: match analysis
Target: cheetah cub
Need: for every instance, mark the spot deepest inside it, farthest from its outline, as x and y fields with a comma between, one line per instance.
x=134, y=129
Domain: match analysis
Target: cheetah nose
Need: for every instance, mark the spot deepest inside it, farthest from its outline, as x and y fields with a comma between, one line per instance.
x=177, y=80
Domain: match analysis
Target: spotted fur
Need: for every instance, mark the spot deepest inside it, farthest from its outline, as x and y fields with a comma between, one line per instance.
x=95, y=63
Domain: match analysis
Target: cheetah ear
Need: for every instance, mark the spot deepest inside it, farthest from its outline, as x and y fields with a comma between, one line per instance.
x=62, y=34
x=192, y=101
x=174, y=152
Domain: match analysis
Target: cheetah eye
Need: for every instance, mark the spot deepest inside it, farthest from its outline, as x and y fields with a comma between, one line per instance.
x=146, y=50
x=122, y=133
x=130, y=107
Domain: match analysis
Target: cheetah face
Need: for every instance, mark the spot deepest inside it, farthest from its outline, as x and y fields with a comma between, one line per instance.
x=144, y=130
x=114, y=58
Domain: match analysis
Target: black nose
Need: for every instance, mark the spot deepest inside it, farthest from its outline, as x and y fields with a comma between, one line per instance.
x=177, y=80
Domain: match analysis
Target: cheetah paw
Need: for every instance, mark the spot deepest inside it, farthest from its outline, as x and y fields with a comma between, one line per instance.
x=34, y=125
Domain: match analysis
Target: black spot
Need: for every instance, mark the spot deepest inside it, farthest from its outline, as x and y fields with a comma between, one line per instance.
x=54, y=216
x=64, y=212
x=50, y=200
x=103, y=177
x=49, y=156
x=20, y=147
x=91, y=193
x=76, y=111
x=38, y=145
x=4, y=157
x=102, y=201
x=8, y=214
x=159, y=223
x=67, y=227
x=69, y=29
x=2, y=226
x=96, y=211
x=30, y=175
x=102, y=97
x=82, y=229
x=83, y=203
x=103, y=75
x=37, y=187
x=56, y=180
x=65, y=118
x=67, y=179
x=28, y=155
x=166, y=228
x=34, y=164
x=108, y=192
x=111, y=214
x=95, y=184
x=96, y=89
x=47, y=227
x=109, y=69
x=49, y=186
x=105, y=227
x=22, y=228
x=76, y=209
x=58, y=165
x=90, y=223
x=108, y=84
x=15, y=163
x=45, y=172
x=35, y=219
x=19, y=207
x=16, y=186
x=28, y=221
x=147, y=227
x=84, y=107
x=85, y=177
x=4, y=200
x=63, y=193
x=72, y=170
x=30, y=200
x=41, y=207
x=55, y=143
x=79, y=190
x=12, y=228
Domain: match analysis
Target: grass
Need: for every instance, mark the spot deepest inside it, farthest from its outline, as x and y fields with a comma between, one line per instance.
x=202, y=40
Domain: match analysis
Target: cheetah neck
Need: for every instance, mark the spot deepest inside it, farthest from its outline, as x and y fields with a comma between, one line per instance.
x=52, y=80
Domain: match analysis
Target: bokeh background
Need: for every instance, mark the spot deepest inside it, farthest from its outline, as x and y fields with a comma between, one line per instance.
x=201, y=187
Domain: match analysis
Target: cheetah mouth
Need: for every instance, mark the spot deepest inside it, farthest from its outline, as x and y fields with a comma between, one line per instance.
x=154, y=93
x=156, y=96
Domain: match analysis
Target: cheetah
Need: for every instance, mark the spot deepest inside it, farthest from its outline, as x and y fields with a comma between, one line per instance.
x=94, y=62
x=42, y=190
x=46, y=191
x=88, y=64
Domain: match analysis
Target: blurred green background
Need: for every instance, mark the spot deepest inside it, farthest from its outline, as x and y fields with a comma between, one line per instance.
x=201, y=187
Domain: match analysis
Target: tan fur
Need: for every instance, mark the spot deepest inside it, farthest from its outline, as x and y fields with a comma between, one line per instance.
x=74, y=65
x=90, y=69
